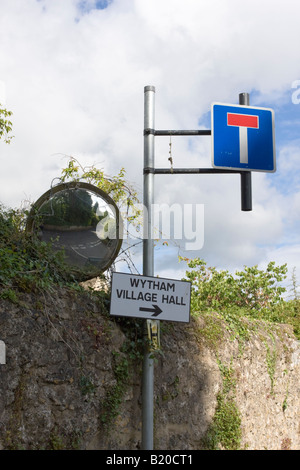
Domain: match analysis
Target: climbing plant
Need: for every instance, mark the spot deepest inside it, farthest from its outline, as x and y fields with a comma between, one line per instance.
x=254, y=290
x=26, y=263
x=121, y=191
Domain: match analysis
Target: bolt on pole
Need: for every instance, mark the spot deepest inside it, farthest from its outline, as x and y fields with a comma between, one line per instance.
x=148, y=262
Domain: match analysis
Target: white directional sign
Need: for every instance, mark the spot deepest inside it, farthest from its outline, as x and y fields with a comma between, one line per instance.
x=150, y=297
x=243, y=137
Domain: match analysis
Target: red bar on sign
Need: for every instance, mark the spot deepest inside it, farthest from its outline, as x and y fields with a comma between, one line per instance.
x=242, y=120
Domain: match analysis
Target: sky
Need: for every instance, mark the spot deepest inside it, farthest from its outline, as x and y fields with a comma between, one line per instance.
x=73, y=73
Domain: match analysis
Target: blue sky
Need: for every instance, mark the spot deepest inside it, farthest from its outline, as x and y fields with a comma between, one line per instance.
x=73, y=73
x=86, y=6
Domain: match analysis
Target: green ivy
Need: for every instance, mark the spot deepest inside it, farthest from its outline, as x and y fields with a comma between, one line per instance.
x=224, y=431
x=26, y=263
x=124, y=362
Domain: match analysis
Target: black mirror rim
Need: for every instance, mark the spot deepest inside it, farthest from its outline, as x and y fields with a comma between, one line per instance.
x=30, y=227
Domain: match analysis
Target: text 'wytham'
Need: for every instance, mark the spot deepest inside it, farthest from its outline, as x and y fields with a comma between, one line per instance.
x=146, y=285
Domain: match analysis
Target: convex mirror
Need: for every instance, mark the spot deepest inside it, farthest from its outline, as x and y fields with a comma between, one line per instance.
x=84, y=222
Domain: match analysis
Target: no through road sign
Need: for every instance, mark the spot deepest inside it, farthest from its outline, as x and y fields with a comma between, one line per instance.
x=243, y=137
x=150, y=297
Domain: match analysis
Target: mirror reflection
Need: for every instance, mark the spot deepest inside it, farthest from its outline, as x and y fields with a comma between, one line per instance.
x=82, y=222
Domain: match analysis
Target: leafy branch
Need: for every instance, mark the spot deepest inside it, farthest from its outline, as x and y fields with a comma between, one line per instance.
x=253, y=289
x=253, y=292
x=119, y=189
x=5, y=125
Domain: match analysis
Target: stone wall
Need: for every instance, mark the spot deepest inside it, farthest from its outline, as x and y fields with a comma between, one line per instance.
x=62, y=385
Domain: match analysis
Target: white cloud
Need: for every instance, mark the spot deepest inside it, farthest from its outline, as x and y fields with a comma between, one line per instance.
x=74, y=77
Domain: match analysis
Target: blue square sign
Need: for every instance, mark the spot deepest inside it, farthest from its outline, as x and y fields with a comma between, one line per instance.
x=243, y=137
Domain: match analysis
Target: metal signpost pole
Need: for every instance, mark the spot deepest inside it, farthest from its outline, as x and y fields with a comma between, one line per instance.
x=246, y=187
x=148, y=261
x=148, y=246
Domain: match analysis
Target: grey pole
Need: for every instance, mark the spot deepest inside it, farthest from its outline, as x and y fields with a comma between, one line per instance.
x=148, y=261
x=246, y=186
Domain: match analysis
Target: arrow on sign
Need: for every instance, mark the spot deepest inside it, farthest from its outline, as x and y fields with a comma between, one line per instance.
x=156, y=310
